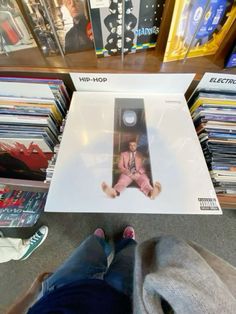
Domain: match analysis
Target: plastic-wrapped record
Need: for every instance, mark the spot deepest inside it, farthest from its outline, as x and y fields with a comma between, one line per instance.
x=215, y=17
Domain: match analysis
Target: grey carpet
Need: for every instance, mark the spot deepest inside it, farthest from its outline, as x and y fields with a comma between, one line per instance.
x=66, y=231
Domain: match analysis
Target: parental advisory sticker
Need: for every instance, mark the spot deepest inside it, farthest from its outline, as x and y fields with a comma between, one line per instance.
x=208, y=204
x=95, y=4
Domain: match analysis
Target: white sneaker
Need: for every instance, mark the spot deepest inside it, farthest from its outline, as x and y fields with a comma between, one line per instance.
x=35, y=241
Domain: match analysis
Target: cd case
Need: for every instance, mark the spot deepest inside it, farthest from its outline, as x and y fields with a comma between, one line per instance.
x=131, y=150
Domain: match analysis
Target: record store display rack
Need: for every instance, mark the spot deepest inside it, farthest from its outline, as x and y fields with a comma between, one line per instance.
x=48, y=39
x=32, y=115
x=213, y=110
x=117, y=35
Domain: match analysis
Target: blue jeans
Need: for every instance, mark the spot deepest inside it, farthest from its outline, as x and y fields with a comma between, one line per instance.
x=89, y=261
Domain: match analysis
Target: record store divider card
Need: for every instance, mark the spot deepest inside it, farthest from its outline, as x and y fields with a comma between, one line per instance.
x=198, y=27
x=131, y=148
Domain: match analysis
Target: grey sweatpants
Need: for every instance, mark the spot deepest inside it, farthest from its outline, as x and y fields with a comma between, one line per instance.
x=190, y=278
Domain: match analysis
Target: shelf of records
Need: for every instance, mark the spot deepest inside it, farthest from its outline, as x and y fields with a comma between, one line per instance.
x=72, y=33
x=33, y=115
x=213, y=110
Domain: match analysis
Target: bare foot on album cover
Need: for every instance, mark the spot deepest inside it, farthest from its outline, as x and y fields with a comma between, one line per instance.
x=156, y=190
x=108, y=190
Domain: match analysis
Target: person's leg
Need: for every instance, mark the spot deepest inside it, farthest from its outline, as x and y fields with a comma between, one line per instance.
x=88, y=261
x=21, y=249
x=122, y=183
x=35, y=241
x=144, y=184
x=11, y=249
x=120, y=272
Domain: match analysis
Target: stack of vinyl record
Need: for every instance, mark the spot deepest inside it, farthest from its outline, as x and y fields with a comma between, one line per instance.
x=52, y=162
x=214, y=116
x=31, y=113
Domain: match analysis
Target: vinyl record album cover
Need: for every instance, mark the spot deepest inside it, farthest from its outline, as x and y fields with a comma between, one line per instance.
x=131, y=153
x=141, y=20
x=20, y=207
x=231, y=59
x=22, y=161
x=14, y=33
x=198, y=27
x=60, y=25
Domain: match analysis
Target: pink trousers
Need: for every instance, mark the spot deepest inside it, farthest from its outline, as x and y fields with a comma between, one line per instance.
x=142, y=181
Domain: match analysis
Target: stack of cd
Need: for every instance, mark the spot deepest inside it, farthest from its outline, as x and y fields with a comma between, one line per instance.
x=214, y=116
x=52, y=162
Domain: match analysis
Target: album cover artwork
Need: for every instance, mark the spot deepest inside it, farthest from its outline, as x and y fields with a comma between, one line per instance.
x=20, y=207
x=130, y=153
x=231, y=59
x=14, y=33
x=198, y=27
x=130, y=149
x=141, y=19
x=60, y=25
x=24, y=161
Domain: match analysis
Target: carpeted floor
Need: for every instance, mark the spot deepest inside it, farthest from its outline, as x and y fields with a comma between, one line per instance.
x=66, y=231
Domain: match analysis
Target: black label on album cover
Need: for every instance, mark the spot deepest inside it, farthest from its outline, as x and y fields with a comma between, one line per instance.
x=208, y=204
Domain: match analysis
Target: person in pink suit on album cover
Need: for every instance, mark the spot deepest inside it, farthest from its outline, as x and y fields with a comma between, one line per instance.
x=132, y=170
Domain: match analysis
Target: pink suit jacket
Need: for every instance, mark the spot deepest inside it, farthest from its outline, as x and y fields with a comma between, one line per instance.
x=123, y=164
